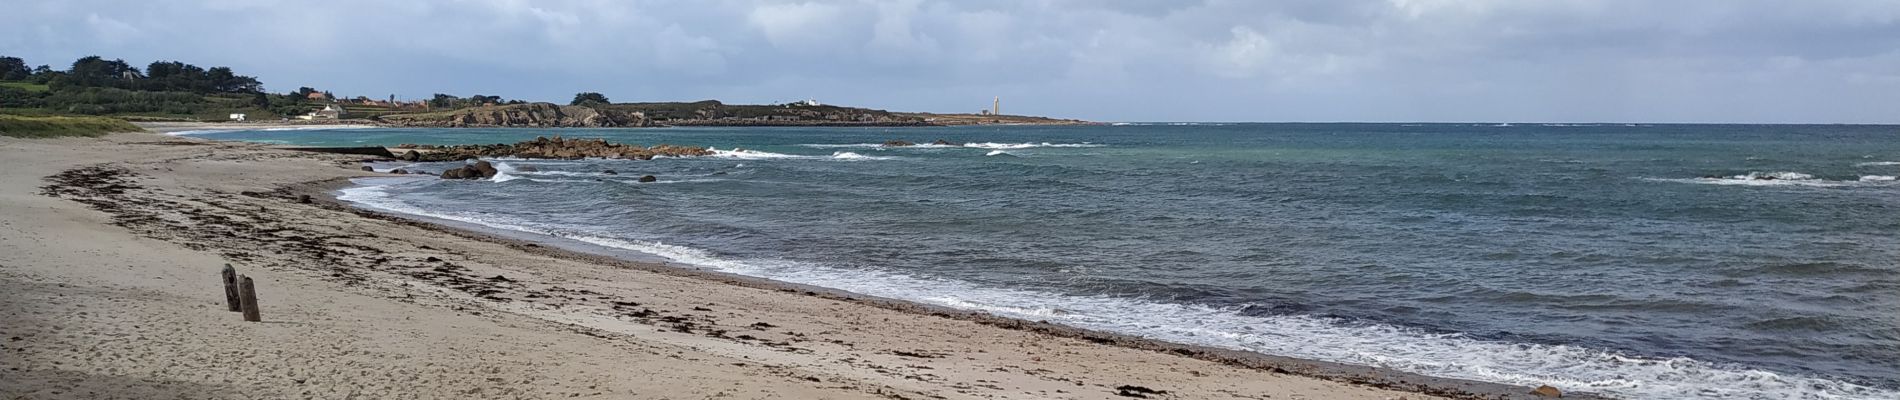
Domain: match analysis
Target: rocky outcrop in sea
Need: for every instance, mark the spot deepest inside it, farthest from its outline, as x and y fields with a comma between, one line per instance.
x=546, y=148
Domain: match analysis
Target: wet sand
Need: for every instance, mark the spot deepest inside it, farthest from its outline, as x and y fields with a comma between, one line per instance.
x=109, y=289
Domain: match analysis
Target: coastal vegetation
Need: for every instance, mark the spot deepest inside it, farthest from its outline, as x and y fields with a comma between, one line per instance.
x=95, y=86
x=59, y=126
x=177, y=91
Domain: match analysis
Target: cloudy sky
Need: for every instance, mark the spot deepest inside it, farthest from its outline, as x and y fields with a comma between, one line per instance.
x=1830, y=61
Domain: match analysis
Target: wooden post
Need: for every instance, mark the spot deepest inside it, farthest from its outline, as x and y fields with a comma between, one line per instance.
x=248, y=293
x=231, y=288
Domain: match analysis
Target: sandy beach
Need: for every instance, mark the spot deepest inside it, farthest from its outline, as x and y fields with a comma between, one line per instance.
x=109, y=289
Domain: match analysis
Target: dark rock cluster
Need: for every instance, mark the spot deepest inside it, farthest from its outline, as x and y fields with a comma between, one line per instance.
x=556, y=148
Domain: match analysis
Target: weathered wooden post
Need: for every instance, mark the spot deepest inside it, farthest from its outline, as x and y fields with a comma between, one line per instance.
x=231, y=288
x=248, y=293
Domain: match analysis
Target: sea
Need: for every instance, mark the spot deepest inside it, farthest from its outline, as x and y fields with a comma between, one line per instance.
x=1641, y=261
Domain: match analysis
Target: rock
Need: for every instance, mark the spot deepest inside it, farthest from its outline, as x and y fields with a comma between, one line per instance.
x=1547, y=391
x=367, y=168
x=649, y=178
x=485, y=169
x=898, y=143
x=303, y=198
x=527, y=168
x=466, y=172
x=560, y=148
x=609, y=172
x=399, y=171
x=941, y=142
x=411, y=155
x=406, y=146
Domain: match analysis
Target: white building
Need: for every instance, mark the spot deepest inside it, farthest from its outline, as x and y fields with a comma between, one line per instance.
x=237, y=117
x=331, y=111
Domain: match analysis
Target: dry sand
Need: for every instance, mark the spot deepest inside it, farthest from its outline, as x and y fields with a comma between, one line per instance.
x=110, y=250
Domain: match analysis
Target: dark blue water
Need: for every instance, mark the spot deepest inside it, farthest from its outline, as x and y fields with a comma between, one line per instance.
x=1639, y=261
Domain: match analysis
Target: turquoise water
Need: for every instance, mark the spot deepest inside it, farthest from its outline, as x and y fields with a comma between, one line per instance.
x=1633, y=260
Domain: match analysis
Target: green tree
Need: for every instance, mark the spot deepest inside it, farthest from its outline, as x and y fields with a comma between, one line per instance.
x=42, y=74
x=589, y=97
x=13, y=69
x=445, y=101
x=94, y=71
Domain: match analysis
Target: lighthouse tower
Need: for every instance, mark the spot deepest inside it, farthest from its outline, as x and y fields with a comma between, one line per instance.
x=996, y=106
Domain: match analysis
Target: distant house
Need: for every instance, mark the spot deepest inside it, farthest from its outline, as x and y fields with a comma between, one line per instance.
x=237, y=117
x=804, y=103
x=331, y=111
x=317, y=96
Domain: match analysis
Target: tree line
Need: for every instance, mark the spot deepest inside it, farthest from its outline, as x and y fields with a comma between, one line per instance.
x=159, y=76
x=94, y=85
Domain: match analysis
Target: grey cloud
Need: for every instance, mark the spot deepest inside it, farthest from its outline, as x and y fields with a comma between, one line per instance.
x=1296, y=60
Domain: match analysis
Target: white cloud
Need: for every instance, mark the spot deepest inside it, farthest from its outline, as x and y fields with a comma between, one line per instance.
x=1205, y=59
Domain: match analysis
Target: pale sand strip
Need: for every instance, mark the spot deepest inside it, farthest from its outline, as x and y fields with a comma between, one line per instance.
x=355, y=306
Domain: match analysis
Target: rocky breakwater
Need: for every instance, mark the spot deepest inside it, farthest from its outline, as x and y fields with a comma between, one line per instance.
x=539, y=148
x=544, y=115
x=545, y=148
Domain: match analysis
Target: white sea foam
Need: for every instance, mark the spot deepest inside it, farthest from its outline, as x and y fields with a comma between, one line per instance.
x=1015, y=146
x=569, y=173
x=281, y=128
x=846, y=155
x=837, y=146
x=503, y=173
x=1449, y=355
x=679, y=181
x=1778, y=179
x=997, y=153
x=1877, y=164
x=744, y=154
x=982, y=145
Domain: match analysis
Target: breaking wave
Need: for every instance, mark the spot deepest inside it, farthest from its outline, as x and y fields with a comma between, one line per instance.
x=846, y=155
x=978, y=145
x=744, y=154
x=504, y=173
x=1015, y=146
x=1777, y=179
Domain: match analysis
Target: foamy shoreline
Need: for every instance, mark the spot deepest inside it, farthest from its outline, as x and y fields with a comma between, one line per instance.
x=194, y=128
x=340, y=280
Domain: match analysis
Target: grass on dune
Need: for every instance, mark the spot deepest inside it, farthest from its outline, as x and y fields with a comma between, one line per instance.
x=26, y=86
x=47, y=127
